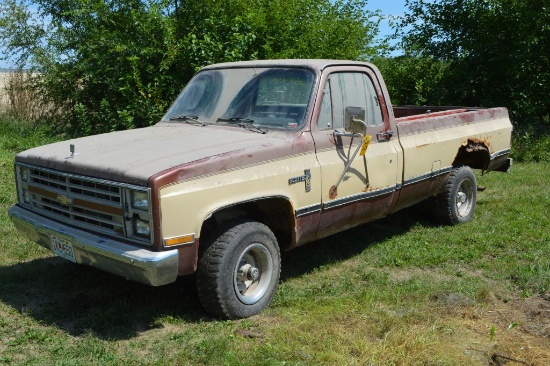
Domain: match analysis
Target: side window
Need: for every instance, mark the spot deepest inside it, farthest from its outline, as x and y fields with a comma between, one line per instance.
x=348, y=89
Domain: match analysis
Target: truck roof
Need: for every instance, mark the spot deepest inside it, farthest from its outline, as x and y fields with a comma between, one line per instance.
x=315, y=64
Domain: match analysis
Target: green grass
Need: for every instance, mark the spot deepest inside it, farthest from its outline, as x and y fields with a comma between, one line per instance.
x=399, y=291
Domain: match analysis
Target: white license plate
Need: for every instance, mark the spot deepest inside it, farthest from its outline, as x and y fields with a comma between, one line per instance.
x=62, y=248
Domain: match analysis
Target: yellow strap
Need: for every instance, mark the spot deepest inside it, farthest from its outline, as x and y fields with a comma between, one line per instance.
x=366, y=142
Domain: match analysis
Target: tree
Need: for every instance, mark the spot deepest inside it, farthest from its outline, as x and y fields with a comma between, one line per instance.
x=496, y=50
x=109, y=65
x=414, y=80
x=102, y=64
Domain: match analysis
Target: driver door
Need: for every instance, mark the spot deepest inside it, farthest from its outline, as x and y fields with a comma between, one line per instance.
x=355, y=188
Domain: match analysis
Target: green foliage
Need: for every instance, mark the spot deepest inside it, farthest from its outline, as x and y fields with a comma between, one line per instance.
x=414, y=80
x=113, y=65
x=116, y=71
x=16, y=136
x=531, y=145
x=315, y=29
x=496, y=53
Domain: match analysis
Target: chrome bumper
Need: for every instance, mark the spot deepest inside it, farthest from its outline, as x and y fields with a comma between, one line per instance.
x=128, y=261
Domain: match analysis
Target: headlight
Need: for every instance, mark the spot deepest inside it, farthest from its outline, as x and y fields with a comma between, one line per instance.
x=138, y=223
x=26, y=196
x=24, y=172
x=142, y=227
x=140, y=200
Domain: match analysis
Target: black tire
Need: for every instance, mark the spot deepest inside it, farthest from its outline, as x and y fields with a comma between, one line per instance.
x=457, y=203
x=239, y=270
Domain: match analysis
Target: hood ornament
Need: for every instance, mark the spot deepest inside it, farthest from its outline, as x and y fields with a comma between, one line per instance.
x=72, y=150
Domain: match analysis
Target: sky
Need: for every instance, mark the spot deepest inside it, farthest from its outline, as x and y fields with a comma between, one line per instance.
x=388, y=8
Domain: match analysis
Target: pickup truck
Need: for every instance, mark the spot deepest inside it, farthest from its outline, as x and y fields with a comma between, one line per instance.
x=253, y=158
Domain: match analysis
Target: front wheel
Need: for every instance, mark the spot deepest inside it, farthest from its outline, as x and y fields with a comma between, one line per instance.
x=238, y=273
x=457, y=203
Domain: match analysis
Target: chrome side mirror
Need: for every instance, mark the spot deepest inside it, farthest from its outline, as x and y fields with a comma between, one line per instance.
x=355, y=120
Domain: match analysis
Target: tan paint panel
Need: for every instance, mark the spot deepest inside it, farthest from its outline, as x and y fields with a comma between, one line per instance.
x=422, y=149
x=185, y=205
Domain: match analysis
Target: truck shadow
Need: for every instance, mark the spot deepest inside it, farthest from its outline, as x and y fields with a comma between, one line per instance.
x=352, y=242
x=80, y=300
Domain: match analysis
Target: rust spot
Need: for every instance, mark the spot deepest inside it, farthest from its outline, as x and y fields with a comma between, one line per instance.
x=475, y=144
x=188, y=259
x=339, y=218
x=305, y=230
x=474, y=153
x=368, y=189
x=333, y=192
x=416, y=192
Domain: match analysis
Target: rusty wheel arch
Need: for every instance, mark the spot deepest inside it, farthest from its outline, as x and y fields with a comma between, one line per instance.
x=276, y=212
x=473, y=153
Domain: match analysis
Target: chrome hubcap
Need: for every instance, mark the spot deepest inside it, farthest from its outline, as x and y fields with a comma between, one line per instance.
x=465, y=198
x=253, y=273
x=247, y=273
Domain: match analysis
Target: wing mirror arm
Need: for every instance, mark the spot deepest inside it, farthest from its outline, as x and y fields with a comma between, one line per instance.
x=361, y=149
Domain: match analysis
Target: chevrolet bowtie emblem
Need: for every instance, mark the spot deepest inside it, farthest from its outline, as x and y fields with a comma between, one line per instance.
x=64, y=200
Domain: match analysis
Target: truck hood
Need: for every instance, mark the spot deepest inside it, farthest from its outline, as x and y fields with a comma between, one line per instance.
x=134, y=156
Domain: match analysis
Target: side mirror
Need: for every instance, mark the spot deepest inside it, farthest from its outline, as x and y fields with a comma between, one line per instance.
x=355, y=120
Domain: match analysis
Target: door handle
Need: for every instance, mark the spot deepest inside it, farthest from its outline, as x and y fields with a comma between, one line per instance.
x=384, y=136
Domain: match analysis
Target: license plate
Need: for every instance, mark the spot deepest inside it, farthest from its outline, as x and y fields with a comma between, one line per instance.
x=62, y=248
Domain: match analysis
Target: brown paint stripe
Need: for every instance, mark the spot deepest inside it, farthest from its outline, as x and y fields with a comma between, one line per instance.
x=81, y=203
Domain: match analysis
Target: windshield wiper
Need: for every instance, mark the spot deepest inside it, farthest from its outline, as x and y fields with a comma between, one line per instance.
x=236, y=120
x=243, y=122
x=251, y=127
x=192, y=120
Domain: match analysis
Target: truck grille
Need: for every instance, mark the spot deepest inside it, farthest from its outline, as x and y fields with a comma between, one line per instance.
x=81, y=201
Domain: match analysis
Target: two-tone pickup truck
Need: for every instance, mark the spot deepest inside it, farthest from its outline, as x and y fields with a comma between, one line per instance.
x=251, y=159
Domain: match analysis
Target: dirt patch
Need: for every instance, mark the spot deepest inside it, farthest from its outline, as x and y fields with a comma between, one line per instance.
x=493, y=329
x=532, y=315
x=518, y=331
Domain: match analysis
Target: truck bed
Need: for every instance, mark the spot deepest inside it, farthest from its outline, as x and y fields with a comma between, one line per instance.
x=411, y=112
x=414, y=120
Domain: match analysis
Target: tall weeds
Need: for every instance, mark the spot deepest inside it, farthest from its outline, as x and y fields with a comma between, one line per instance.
x=19, y=100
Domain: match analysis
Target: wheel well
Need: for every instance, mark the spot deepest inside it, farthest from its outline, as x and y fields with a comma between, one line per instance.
x=473, y=153
x=274, y=212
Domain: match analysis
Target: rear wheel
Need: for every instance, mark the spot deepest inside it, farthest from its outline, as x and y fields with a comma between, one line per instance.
x=238, y=273
x=457, y=203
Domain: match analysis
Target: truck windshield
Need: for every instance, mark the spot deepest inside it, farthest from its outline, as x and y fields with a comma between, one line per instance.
x=268, y=97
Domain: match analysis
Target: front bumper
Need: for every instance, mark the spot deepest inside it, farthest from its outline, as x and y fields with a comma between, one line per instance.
x=128, y=261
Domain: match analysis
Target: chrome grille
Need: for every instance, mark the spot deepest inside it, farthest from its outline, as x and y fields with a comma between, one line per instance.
x=78, y=186
x=86, y=202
